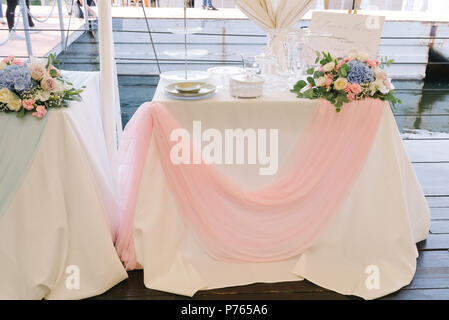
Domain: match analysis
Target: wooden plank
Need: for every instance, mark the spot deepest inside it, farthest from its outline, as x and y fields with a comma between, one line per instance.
x=433, y=177
x=438, y=201
x=432, y=273
x=439, y=226
x=434, y=242
x=439, y=213
x=427, y=150
x=422, y=294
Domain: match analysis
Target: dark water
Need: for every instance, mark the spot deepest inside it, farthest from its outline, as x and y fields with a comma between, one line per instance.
x=425, y=107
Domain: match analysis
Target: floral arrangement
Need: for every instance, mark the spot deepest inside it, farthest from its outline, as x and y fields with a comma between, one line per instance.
x=344, y=79
x=34, y=87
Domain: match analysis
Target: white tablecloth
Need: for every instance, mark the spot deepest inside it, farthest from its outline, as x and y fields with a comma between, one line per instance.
x=375, y=229
x=61, y=213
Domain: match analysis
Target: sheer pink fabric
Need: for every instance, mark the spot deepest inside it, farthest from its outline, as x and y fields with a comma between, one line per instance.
x=276, y=222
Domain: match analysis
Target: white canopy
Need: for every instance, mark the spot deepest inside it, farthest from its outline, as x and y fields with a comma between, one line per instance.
x=112, y=124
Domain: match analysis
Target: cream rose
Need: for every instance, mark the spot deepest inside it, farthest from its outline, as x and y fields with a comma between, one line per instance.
x=37, y=73
x=42, y=95
x=2, y=65
x=362, y=56
x=372, y=89
x=37, y=68
x=329, y=66
x=321, y=81
x=340, y=83
x=48, y=84
x=14, y=104
x=352, y=56
x=60, y=86
x=5, y=95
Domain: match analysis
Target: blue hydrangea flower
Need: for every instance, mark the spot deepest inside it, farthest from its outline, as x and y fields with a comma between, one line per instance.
x=359, y=72
x=16, y=78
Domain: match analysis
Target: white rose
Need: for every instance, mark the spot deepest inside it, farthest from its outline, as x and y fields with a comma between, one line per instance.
x=362, y=56
x=320, y=82
x=42, y=95
x=340, y=83
x=5, y=95
x=329, y=66
x=14, y=104
x=389, y=84
x=38, y=62
x=2, y=65
x=60, y=86
x=384, y=89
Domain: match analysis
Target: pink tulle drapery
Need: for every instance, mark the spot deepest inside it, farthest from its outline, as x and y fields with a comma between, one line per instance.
x=273, y=223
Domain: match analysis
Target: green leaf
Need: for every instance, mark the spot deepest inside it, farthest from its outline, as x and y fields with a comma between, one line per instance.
x=318, y=74
x=299, y=85
x=311, y=81
x=310, y=71
x=21, y=113
x=309, y=94
x=342, y=72
x=318, y=56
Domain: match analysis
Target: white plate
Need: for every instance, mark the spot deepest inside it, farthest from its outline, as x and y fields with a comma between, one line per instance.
x=206, y=89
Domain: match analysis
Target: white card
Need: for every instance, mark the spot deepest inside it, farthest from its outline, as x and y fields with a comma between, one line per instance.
x=350, y=33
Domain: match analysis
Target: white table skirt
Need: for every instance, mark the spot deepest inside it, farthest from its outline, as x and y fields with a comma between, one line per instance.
x=63, y=210
x=378, y=225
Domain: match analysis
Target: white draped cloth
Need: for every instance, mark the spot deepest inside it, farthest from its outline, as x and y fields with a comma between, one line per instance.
x=374, y=231
x=59, y=214
x=274, y=16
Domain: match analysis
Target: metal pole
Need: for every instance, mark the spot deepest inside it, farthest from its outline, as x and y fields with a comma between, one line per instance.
x=86, y=15
x=185, y=39
x=26, y=27
x=61, y=23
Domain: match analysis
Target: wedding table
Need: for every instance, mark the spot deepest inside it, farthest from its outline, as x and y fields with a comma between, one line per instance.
x=367, y=248
x=58, y=203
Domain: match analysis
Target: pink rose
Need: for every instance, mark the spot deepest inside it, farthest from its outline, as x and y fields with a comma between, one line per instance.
x=37, y=72
x=8, y=59
x=340, y=64
x=356, y=88
x=48, y=84
x=350, y=96
x=17, y=62
x=40, y=112
x=371, y=63
x=328, y=83
x=346, y=59
x=377, y=62
x=348, y=88
x=28, y=104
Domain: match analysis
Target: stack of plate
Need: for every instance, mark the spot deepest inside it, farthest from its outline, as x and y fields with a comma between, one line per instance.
x=190, y=90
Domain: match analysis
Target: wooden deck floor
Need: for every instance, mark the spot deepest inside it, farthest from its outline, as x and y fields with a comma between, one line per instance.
x=431, y=281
